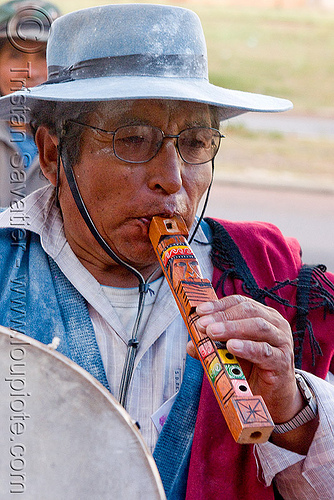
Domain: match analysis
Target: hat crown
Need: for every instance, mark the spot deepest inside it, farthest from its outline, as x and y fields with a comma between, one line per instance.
x=119, y=31
x=133, y=51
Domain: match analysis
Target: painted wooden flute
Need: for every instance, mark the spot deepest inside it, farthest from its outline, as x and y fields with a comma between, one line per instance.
x=246, y=415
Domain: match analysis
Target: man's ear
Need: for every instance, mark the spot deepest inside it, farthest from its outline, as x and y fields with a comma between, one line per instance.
x=47, y=146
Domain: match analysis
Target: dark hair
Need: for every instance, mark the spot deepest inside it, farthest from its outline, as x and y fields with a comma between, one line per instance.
x=57, y=117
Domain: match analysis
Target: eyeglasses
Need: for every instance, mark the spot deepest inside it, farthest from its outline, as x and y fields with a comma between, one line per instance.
x=141, y=143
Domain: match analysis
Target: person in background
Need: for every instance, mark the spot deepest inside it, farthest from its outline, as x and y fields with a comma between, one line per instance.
x=24, y=29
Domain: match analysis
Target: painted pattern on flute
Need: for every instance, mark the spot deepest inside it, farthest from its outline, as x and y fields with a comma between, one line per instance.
x=246, y=415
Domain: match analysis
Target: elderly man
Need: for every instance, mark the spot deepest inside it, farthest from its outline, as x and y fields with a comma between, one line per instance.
x=127, y=129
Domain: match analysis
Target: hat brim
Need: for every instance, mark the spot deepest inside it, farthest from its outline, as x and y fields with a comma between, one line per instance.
x=230, y=102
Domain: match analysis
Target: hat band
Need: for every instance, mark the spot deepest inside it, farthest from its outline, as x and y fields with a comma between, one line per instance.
x=173, y=65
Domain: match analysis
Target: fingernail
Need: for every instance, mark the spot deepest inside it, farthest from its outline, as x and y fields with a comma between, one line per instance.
x=268, y=350
x=236, y=344
x=205, y=321
x=217, y=329
x=205, y=307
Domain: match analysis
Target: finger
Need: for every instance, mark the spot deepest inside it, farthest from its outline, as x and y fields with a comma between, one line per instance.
x=237, y=307
x=271, y=359
x=191, y=350
x=221, y=320
x=219, y=305
x=255, y=329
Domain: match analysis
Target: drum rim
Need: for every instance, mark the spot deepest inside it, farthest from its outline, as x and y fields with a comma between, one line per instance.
x=51, y=351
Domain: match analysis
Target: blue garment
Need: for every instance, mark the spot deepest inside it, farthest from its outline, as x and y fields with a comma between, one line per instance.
x=38, y=300
x=26, y=146
x=176, y=437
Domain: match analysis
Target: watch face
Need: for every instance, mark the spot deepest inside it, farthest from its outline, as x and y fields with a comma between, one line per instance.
x=304, y=388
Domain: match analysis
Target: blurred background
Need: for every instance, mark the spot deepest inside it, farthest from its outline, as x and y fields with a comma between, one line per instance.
x=273, y=167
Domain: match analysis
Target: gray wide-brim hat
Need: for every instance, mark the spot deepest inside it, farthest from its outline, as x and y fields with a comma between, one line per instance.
x=133, y=51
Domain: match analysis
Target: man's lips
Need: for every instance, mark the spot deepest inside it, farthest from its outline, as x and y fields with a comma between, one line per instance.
x=143, y=223
x=147, y=219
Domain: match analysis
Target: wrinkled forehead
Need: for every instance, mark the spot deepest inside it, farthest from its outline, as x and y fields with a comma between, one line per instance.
x=150, y=109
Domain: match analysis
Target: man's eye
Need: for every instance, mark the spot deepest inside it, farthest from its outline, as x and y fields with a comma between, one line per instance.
x=195, y=144
x=133, y=140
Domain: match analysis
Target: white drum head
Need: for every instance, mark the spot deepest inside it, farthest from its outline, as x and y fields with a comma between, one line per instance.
x=62, y=434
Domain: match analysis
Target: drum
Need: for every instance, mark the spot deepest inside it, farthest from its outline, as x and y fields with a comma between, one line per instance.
x=62, y=434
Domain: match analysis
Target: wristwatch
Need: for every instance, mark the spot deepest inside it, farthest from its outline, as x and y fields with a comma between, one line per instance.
x=308, y=413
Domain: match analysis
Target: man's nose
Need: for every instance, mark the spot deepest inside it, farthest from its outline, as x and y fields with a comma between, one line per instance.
x=165, y=169
x=38, y=70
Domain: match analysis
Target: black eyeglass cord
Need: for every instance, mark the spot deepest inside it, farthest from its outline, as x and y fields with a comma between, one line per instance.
x=143, y=286
x=205, y=204
x=133, y=343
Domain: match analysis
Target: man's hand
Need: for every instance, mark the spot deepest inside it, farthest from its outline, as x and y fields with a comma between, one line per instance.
x=262, y=341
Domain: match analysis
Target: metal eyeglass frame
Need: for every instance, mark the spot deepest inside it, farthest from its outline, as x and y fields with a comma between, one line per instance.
x=164, y=136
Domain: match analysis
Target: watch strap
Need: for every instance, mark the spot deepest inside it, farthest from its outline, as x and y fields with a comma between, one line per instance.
x=308, y=413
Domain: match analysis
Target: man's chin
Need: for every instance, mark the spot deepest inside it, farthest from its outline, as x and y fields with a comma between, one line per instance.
x=138, y=254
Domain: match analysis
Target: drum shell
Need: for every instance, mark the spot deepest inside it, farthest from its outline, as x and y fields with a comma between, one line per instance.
x=63, y=435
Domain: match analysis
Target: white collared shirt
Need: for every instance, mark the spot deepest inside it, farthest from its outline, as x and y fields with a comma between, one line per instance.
x=160, y=359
